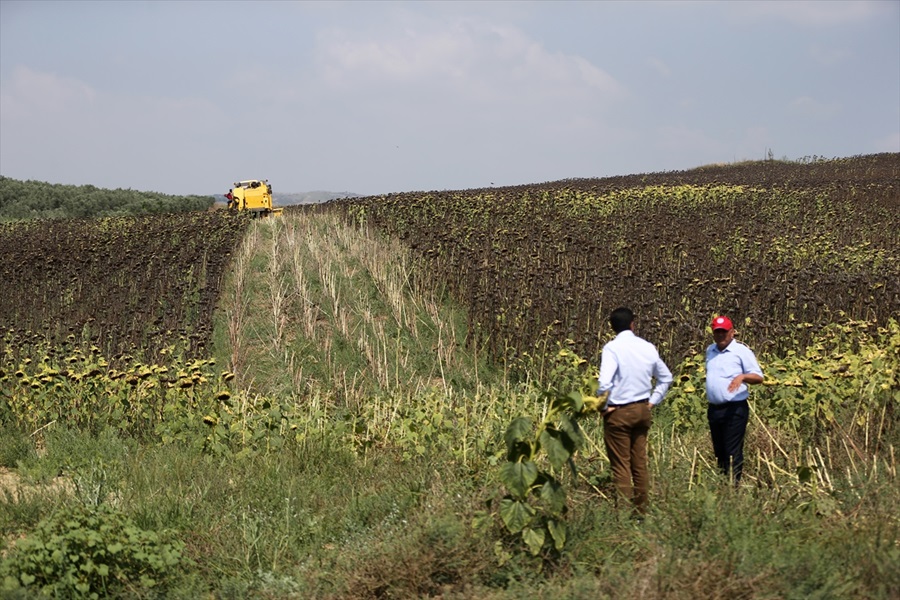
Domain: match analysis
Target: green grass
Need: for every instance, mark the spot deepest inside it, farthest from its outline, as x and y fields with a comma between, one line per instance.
x=15, y=447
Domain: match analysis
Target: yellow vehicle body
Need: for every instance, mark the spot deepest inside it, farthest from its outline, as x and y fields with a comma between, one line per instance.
x=253, y=196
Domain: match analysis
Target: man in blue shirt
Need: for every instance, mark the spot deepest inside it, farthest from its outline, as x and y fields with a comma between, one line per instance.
x=730, y=367
x=628, y=367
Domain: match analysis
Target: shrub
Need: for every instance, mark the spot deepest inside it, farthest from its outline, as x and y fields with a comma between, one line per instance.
x=90, y=552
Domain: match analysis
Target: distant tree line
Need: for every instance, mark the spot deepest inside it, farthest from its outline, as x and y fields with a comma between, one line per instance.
x=27, y=200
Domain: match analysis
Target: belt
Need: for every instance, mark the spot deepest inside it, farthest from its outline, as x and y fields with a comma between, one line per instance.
x=718, y=405
x=644, y=401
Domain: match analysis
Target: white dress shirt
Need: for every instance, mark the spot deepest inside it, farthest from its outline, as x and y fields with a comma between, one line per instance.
x=628, y=365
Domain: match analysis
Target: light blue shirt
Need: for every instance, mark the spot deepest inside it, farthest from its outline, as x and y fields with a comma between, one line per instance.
x=723, y=366
x=628, y=365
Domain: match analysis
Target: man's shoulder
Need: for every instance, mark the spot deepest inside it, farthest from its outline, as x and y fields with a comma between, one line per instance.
x=631, y=337
x=619, y=338
x=741, y=346
x=645, y=342
x=645, y=347
x=624, y=339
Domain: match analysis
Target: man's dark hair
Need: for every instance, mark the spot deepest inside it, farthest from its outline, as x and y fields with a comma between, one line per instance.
x=621, y=319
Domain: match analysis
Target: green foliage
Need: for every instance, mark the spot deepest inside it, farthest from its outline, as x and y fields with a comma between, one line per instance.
x=15, y=447
x=94, y=464
x=554, y=364
x=26, y=200
x=749, y=544
x=535, y=506
x=686, y=399
x=847, y=377
x=189, y=401
x=91, y=552
x=82, y=391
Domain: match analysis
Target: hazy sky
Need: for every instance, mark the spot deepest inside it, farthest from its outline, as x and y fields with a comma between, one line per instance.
x=373, y=97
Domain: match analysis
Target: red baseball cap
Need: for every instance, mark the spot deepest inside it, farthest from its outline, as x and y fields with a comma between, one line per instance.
x=722, y=322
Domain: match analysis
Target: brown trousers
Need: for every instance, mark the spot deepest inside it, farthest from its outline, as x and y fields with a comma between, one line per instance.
x=625, y=434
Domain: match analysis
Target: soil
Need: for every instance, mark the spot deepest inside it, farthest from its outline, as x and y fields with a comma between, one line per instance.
x=12, y=487
x=8, y=479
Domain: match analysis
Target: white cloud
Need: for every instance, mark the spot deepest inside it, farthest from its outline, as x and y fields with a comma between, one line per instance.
x=466, y=57
x=38, y=98
x=84, y=134
x=809, y=107
x=31, y=93
x=348, y=59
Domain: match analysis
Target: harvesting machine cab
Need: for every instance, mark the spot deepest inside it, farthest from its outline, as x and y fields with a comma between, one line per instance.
x=253, y=196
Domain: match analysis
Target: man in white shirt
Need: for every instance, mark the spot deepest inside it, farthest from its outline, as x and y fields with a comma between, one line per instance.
x=730, y=367
x=628, y=367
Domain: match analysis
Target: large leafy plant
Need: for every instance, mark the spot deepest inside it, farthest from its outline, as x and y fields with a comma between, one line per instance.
x=537, y=457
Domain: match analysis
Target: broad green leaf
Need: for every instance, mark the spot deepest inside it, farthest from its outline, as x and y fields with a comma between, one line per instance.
x=519, y=430
x=516, y=515
x=554, y=495
x=518, y=477
x=534, y=539
x=482, y=521
x=574, y=438
x=557, y=531
x=555, y=449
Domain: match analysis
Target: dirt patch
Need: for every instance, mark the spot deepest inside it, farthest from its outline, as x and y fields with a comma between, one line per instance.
x=13, y=487
x=8, y=479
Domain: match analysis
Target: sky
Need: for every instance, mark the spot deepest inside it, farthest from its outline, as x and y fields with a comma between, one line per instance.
x=184, y=97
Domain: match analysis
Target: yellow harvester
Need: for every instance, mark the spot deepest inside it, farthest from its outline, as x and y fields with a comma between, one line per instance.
x=253, y=196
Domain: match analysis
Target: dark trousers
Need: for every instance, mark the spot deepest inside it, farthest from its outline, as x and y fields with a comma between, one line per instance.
x=625, y=435
x=727, y=426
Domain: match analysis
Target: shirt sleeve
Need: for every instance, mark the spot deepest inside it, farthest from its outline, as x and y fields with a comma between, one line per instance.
x=663, y=381
x=749, y=363
x=608, y=368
